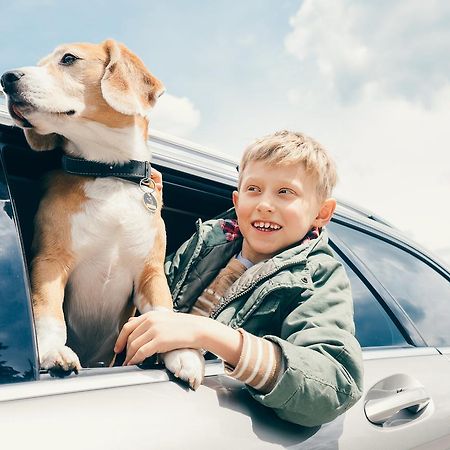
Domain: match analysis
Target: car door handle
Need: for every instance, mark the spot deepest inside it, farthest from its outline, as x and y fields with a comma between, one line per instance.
x=379, y=410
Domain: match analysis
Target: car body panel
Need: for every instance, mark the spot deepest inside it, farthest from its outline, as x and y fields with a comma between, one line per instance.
x=156, y=415
x=124, y=410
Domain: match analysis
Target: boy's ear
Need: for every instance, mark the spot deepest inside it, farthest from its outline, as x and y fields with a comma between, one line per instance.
x=326, y=211
x=235, y=198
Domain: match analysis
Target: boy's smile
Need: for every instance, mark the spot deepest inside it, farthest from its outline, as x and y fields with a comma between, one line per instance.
x=266, y=226
x=276, y=206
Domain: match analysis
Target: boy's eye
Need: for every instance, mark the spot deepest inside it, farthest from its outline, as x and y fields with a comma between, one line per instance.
x=253, y=189
x=285, y=191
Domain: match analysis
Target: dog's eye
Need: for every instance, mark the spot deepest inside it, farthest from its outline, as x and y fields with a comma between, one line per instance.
x=68, y=59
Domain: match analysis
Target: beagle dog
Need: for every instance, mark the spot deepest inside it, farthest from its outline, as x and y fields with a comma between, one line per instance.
x=99, y=242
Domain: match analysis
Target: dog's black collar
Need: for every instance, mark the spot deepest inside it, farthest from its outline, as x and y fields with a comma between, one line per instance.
x=131, y=171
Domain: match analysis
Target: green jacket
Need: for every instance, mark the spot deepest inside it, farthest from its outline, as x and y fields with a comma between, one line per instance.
x=300, y=299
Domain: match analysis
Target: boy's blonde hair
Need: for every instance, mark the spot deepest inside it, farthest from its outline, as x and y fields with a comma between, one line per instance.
x=289, y=147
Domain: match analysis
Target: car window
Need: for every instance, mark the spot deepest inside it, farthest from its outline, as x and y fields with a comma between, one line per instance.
x=374, y=327
x=421, y=291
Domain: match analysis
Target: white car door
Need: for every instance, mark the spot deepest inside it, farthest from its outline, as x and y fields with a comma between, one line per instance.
x=402, y=317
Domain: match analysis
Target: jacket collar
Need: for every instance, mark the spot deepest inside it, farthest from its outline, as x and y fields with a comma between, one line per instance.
x=226, y=231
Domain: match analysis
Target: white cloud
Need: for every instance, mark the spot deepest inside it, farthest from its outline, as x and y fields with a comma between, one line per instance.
x=378, y=97
x=402, y=46
x=175, y=115
x=393, y=160
x=323, y=31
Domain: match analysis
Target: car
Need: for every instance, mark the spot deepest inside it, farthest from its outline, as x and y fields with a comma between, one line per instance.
x=402, y=316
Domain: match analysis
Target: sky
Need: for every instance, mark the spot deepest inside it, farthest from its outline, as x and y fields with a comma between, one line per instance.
x=370, y=80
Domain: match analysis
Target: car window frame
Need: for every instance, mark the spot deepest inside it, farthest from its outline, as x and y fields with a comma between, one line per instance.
x=388, y=323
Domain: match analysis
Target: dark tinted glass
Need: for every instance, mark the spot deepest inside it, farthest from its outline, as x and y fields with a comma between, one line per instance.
x=18, y=360
x=374, y=328
x=422, y=291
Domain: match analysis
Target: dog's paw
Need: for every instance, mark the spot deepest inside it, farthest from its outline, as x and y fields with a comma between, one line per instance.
x=187, y=364
x=60, y=361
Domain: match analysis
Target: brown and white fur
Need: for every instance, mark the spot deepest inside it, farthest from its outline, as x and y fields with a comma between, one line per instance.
x=95, y=243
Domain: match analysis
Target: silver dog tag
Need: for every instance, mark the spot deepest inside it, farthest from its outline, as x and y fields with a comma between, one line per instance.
x=150, y=201
x=147, y=186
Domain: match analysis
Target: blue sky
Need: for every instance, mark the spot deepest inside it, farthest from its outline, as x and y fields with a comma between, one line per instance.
x=368, y=79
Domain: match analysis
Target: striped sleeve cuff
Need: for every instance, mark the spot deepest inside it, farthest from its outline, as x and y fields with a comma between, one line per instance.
x=260, y=363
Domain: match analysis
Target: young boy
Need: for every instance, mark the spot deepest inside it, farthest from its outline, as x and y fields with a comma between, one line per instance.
x=264, y=292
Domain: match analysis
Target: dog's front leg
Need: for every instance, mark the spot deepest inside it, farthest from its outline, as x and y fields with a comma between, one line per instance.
x=153, y=293
x=48, y=278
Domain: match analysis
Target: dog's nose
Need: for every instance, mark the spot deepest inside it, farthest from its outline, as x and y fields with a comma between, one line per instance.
x=9, y=78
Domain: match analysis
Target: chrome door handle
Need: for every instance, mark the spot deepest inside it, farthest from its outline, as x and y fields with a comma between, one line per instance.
x=379, y=410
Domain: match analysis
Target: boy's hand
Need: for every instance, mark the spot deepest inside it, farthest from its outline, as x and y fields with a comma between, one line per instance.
x=163, y=331
x=157, y=332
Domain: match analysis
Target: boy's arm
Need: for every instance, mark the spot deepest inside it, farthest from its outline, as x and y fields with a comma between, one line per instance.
x=248, y=358
x=260, y=363
x=256, y=361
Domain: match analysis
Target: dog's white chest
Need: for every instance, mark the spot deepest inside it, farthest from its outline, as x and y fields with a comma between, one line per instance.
x=112, y=235
x=113, y=217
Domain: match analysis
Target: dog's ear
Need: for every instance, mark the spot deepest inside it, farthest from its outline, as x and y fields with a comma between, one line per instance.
x=42, y=142
x=127, y=86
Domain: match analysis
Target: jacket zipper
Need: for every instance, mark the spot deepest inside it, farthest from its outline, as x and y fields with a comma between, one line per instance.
x=226, y=301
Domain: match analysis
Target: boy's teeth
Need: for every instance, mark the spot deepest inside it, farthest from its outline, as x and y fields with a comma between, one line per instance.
x=267, y=225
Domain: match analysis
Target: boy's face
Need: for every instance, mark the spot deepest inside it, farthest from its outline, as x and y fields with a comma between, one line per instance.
x=276, y=206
